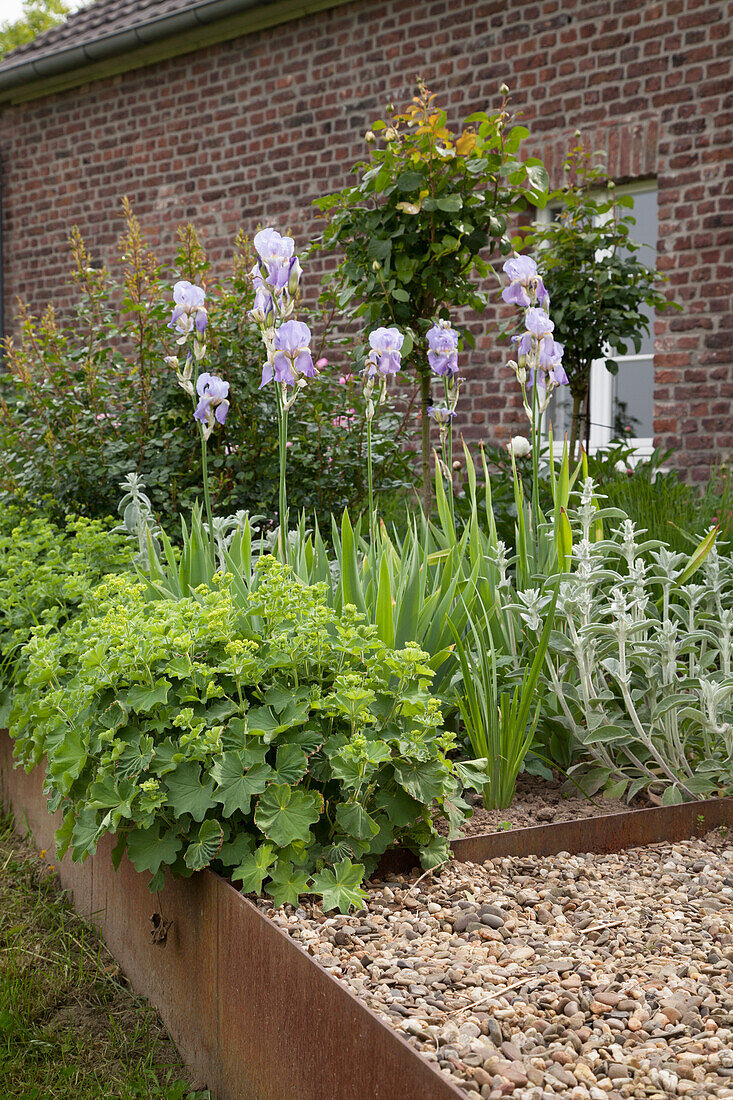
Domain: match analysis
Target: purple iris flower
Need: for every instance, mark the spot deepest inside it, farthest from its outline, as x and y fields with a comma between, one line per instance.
x=440, y=414
x=384, y=357
x=189, y=308
x=213, y=393
x=523, y=276
x=443, y=354
x=538, y=325
x=551, y=360
x=263, y=305
x=550, y=364
x=292, y=355
x=276, y=257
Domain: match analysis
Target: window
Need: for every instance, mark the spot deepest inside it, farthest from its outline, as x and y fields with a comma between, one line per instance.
x=621, y=405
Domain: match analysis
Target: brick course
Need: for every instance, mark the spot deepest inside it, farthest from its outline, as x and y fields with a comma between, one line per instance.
x=252, y=130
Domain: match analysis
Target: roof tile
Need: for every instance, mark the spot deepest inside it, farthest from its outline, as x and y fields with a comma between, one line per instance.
x=90, y=24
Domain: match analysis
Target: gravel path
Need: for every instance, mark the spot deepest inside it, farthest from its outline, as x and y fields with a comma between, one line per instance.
x=584, y=976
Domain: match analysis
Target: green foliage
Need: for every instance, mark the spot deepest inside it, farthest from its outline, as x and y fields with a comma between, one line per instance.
x=640, y=660
x=658, y=500
x=70, y=1027
x=90, y=400
x=501, y=724
x=259, y=731
x=427, y=204
x=38, y=16
x=598, y=286
x=46, y=572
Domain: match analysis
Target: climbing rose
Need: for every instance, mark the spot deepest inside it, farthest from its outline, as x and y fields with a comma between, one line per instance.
x=520, y=446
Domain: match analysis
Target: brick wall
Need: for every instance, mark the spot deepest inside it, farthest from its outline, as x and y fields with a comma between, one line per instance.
x=251, y=131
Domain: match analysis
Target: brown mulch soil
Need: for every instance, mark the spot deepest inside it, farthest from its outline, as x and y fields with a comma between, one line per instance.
x=540, y=802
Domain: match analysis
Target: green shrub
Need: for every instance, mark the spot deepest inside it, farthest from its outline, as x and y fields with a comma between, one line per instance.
x=46, y=571
x=267, y=735
x=89, y=399
x=658, y=500
x=428, y=208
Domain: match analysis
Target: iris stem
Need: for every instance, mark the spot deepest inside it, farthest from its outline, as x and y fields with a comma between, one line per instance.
x=370, y=481
x=282, y=424
x=449, y=435
x=535, y=458
x=207, y=499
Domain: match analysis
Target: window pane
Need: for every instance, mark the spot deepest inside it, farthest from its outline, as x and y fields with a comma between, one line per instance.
x=558, y=413
x=645, y=233
x=633, y=399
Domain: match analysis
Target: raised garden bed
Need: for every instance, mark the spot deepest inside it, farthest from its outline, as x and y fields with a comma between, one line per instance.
x=254, y=1012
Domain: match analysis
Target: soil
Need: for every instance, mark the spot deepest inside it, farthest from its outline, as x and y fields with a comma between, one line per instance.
x=539, y=802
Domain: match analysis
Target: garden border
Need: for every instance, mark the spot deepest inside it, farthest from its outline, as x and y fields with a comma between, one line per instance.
x=284, y=1027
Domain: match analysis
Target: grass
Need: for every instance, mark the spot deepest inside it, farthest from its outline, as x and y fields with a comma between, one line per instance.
x=69, y=1025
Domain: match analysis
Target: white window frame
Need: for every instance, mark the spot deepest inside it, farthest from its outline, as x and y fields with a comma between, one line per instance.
x=601, y=379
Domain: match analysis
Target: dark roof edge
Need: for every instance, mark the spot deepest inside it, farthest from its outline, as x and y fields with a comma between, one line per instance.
x=177, y=26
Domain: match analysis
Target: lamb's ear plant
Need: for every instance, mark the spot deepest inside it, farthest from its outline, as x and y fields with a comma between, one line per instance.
x=138, y=520
x=640, y=662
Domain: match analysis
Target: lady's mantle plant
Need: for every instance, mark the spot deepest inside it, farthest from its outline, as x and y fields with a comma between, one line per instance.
x=45, y=574
x=269, y=736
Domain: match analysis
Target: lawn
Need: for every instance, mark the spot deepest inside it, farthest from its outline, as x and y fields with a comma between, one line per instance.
x=69, y=1024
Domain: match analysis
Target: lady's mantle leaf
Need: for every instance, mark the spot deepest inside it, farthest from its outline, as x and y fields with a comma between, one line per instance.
x=148, y=850
x=291, y=763
x=285, y=815
x=423, y=781
x=236, y=783
x=187, y=794
x=355, y=821
x=202, y=850
x=340, y=888
x=287, y=883
x=253, y=869
x=142, y=698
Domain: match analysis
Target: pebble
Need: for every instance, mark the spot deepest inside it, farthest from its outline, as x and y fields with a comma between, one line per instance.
x=591, y=977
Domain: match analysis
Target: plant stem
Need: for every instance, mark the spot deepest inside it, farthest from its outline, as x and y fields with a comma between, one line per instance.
x=372, y=515
x=427, y=495
x=282, y=426
x=574, y=420
x=207, y=499
x=449, y=464
x=535, y=462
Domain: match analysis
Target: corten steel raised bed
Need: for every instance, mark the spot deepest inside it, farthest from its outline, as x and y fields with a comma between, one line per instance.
x=252, y=1014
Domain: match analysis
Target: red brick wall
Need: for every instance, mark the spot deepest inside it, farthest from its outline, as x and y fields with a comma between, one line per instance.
x=251, y=131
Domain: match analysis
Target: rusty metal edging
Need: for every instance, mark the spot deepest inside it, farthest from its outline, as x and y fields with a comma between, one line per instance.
x=608, y=833
x=252, y=1013
x=603, y=834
